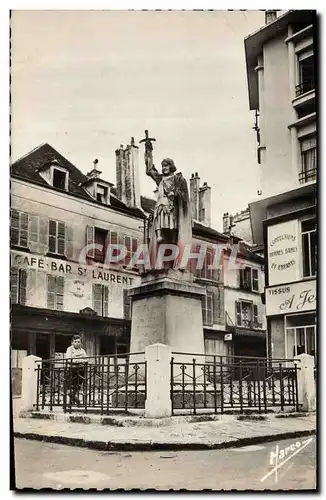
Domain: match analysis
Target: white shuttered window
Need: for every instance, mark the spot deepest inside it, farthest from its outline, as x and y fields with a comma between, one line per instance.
x=55, y=292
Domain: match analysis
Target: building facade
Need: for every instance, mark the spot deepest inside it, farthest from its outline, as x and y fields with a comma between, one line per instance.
x=60, y=284
x=282, y=91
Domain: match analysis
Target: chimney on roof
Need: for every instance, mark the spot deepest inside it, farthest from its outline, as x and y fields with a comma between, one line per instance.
x=204, y=204
x=94, y=172
x=127, y=172
x=194, y=195
x=270, y=16
x=227, y=223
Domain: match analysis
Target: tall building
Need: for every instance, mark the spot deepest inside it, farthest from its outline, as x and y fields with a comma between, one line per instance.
x=280, y=59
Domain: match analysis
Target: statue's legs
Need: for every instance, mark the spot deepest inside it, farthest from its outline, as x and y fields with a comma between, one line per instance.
x=170, y=237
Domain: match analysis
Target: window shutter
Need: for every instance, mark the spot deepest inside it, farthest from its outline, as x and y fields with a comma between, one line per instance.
x=113, y=241
x=14, y=227
x=241, y=278
x=97, y=298
x=51, y=292
x=105, y=291
x=209, y=308
x=255, y=284
x=22, y=286
x=52, y=236
x=196, y=272
x=209, y=262
x=126, y=304
x=33, y=229
x=59, y=292
x=14, y=285
x=203, y=308
x=106, y=244
x=90, y=240
x=121, y=241
x=247, y=278
x=43, y=234
x=218, y=306
x=70, y=242
x=134, y=247
x=216, y=272
x=255, y=314
x=23, y=239
x=238, y=313
x=128, y=247
x=61, y=238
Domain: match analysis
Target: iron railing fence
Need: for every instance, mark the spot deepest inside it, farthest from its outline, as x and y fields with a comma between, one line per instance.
x=307, y=175
x=304, y=87
x=100, y=383
x=223, y=383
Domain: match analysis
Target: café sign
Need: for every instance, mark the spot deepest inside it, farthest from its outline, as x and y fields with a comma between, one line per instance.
x=283, y=252
x=79, y=273
x=294, y=298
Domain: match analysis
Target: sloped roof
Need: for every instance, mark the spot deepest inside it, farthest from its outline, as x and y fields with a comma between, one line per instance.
x=26, y=168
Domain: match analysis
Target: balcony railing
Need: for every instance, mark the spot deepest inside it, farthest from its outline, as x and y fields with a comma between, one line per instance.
x=304, y=87
x=307, y=175
x=246, y=323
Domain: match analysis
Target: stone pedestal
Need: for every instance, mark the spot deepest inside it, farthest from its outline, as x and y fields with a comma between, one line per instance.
x=306, y=382
x=166, y=309
x=29, y=382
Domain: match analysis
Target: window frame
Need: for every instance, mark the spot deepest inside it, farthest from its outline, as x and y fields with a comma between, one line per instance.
x=309, y=232
x=305, y=172
x=300, y=58
x=104, y=195
x=250, y=271
x=19, y=228
x=64, y=171
x=21, y=291
x=251, y=321
x=103, y=310
x=206, y=310
x=58, y=281
x=56, y=238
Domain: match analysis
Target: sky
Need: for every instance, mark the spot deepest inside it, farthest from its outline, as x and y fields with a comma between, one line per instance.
x=87, y=81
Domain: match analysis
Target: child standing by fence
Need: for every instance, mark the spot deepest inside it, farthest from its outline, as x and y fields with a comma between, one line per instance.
x=76, y=372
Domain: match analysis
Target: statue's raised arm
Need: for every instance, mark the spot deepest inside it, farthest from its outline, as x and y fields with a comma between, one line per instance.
x=151, y=171
x=172, y=221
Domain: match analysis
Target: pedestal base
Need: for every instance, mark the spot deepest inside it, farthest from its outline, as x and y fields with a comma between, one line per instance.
x=167, y=309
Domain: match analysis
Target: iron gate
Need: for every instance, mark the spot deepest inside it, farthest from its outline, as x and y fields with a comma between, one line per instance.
x=221, y=383
x=102, y=383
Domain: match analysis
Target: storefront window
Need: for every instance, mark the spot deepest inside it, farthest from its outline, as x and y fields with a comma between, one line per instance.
x=300, y=335
x=309, y=247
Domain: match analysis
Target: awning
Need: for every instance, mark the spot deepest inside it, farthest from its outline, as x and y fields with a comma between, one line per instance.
x=246, y=332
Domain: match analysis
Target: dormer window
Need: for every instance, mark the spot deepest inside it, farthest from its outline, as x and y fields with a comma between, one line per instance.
x=54, y=174
x=60, y=179
x=102, y=194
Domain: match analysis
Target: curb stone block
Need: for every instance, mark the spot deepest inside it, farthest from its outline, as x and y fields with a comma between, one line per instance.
x=251, y=417
x=292, y=415
x=79, y=419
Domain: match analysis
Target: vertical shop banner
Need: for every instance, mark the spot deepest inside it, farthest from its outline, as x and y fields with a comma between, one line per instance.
x=283, y=253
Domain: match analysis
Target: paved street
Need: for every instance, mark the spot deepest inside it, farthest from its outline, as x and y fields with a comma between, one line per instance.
x=40, y=465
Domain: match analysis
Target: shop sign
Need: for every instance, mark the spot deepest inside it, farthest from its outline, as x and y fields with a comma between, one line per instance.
x=297, y=297
x=283, y=252
x=228, y=336
x=72, y=269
